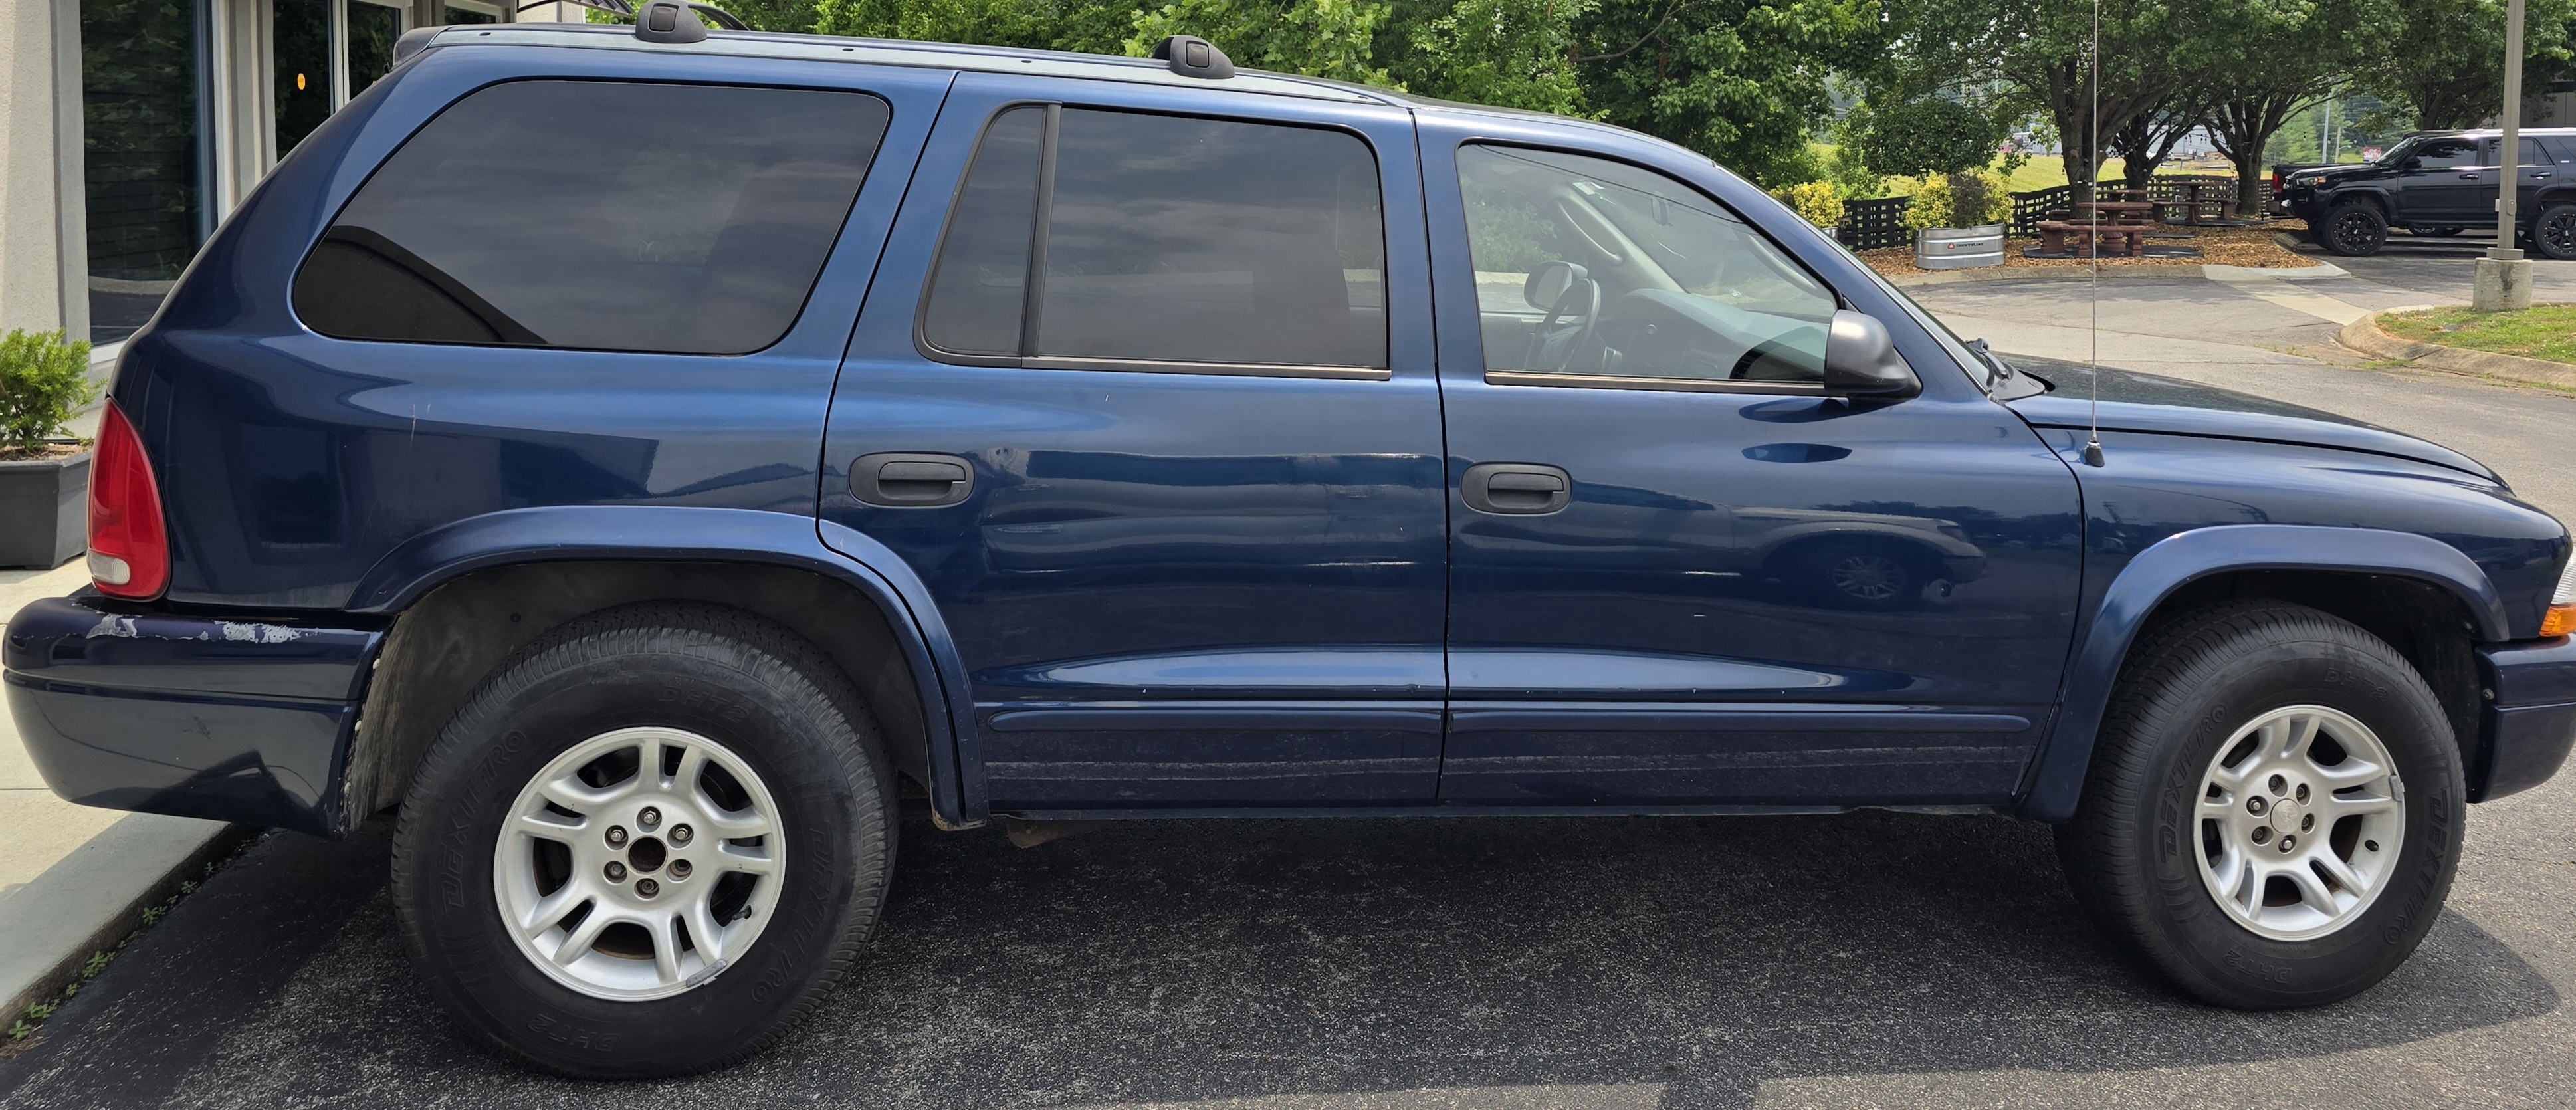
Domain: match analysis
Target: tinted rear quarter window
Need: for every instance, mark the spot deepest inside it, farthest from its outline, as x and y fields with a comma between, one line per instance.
x=600, y=215
x=1165, y=239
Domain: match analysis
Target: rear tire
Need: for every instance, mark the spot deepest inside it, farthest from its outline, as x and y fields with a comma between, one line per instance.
x=716, y=919
x=2354, y=228
x=2553, y=232
x=2340, y=894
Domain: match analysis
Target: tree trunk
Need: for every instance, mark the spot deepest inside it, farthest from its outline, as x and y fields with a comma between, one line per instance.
x=2253, y=193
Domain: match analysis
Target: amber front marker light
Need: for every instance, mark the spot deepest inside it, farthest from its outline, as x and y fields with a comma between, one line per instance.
x=2562, y=604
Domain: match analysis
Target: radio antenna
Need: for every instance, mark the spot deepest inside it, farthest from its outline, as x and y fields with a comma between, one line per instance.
x=2093, y=193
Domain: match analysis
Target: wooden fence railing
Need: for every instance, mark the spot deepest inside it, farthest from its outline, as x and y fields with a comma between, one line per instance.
x=1869, y=224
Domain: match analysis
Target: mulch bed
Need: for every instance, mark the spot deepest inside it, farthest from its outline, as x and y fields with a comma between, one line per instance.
x=2226, y=246
x=42, y=451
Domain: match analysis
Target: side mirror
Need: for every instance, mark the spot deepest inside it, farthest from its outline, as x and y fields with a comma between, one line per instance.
x=1861, y=360
x=1550, y=282
x=2411, y=163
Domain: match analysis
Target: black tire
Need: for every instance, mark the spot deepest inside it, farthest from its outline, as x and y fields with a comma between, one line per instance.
x=2354, y=228
x=2444, y=231
x=769, y=698
x=2553, y=231
x=2132, y=851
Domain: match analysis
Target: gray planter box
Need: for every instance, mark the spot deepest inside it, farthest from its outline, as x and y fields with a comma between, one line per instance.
x=44, y=511
x=1959, y=248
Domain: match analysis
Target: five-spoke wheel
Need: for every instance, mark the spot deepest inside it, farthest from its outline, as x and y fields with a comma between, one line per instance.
x=648, y=844
x=2273, y=809
x=636, y=861
x=2301, y=817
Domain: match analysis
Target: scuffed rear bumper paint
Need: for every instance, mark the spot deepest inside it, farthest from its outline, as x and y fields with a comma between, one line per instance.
x=231, y=719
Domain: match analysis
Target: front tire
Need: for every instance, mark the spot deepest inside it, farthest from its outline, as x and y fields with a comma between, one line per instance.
x=2354, y=228
x=649, y=844
x=2274, y=810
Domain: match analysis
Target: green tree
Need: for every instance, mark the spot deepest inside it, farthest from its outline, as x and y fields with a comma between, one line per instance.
x=1508, y=53
x=2444, y=59
x=2044, y=50
x=1930, y=135
x=1742, y=81
x=2269, y=60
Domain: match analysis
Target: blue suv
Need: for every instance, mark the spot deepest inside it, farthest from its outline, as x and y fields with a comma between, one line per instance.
x=652, y=460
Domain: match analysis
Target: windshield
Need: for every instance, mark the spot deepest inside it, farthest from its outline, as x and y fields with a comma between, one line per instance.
x=2399, y=153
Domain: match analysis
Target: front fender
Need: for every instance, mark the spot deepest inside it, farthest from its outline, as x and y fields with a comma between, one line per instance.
x=568, y=533
x=2056, y=779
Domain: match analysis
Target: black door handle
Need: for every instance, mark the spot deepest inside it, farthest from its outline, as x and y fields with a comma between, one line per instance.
x=1516, y=489
x=2472, y=176
x=911, y=480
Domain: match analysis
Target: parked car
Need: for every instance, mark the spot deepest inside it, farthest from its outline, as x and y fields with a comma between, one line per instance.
x=643, y=460
x=2440, y=183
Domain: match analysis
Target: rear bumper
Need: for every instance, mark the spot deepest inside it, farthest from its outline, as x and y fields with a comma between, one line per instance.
x=2529, y=722
x=200, y=717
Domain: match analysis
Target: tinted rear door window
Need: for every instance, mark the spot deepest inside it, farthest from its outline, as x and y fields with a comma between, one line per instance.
x=1167, y=239
x=674, y=218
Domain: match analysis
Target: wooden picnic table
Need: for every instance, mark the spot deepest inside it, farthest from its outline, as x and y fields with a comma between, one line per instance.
x=2115, y=211
x=2209, y=201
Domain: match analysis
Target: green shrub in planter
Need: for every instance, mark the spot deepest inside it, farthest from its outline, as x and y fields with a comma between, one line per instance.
x=1817, y=202
x=43, y=382
x=1972, y=199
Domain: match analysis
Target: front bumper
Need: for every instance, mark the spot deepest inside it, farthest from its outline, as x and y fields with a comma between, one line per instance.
x=194, y=716
x=2530, y=717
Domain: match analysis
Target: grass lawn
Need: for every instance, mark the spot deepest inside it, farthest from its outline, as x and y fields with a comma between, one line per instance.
x=2541, y=331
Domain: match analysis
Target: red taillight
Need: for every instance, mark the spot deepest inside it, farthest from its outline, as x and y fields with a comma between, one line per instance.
x=2279, y=183
x=129, y=550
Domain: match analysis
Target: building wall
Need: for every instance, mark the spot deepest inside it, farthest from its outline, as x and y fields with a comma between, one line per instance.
x=31, y=218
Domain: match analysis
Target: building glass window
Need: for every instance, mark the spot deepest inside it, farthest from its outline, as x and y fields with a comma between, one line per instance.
x=143, y=157
x=453, y=14
x=372, y=31
x=300, y=44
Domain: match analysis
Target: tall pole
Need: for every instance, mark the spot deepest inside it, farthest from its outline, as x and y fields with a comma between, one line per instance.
x=2509, y=156
x=2504, y=276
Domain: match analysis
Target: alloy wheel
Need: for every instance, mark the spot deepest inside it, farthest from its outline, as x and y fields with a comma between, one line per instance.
x=2300, y=822
x=2558, y=233
x=2353, y=231
x=639, y=864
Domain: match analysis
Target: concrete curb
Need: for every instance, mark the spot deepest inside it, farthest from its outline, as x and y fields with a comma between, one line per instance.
x=2315, y=272
x=2363, y=335
x=66, y=964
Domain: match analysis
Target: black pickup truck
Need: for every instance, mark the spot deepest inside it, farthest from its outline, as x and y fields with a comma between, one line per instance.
x=2439, y=183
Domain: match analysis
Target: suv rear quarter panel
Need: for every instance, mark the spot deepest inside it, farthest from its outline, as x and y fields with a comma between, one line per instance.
x=291, y=463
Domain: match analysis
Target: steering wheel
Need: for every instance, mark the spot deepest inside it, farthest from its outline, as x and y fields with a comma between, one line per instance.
x=1558, y=286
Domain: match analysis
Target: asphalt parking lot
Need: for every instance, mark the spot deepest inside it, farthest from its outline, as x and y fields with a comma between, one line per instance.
x=1867, y=959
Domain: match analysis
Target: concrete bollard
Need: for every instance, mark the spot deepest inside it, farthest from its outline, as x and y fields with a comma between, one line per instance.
x=2503, y=284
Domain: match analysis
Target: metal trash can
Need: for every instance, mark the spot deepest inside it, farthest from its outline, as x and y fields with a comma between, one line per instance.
x=1959, y=248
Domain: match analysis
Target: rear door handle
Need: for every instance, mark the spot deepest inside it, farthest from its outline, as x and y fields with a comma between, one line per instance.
x=911, y=480
x=2472, y=177
x=1516, y=489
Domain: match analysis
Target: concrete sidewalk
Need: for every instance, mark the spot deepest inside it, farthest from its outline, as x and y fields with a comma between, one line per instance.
x=72, y=879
